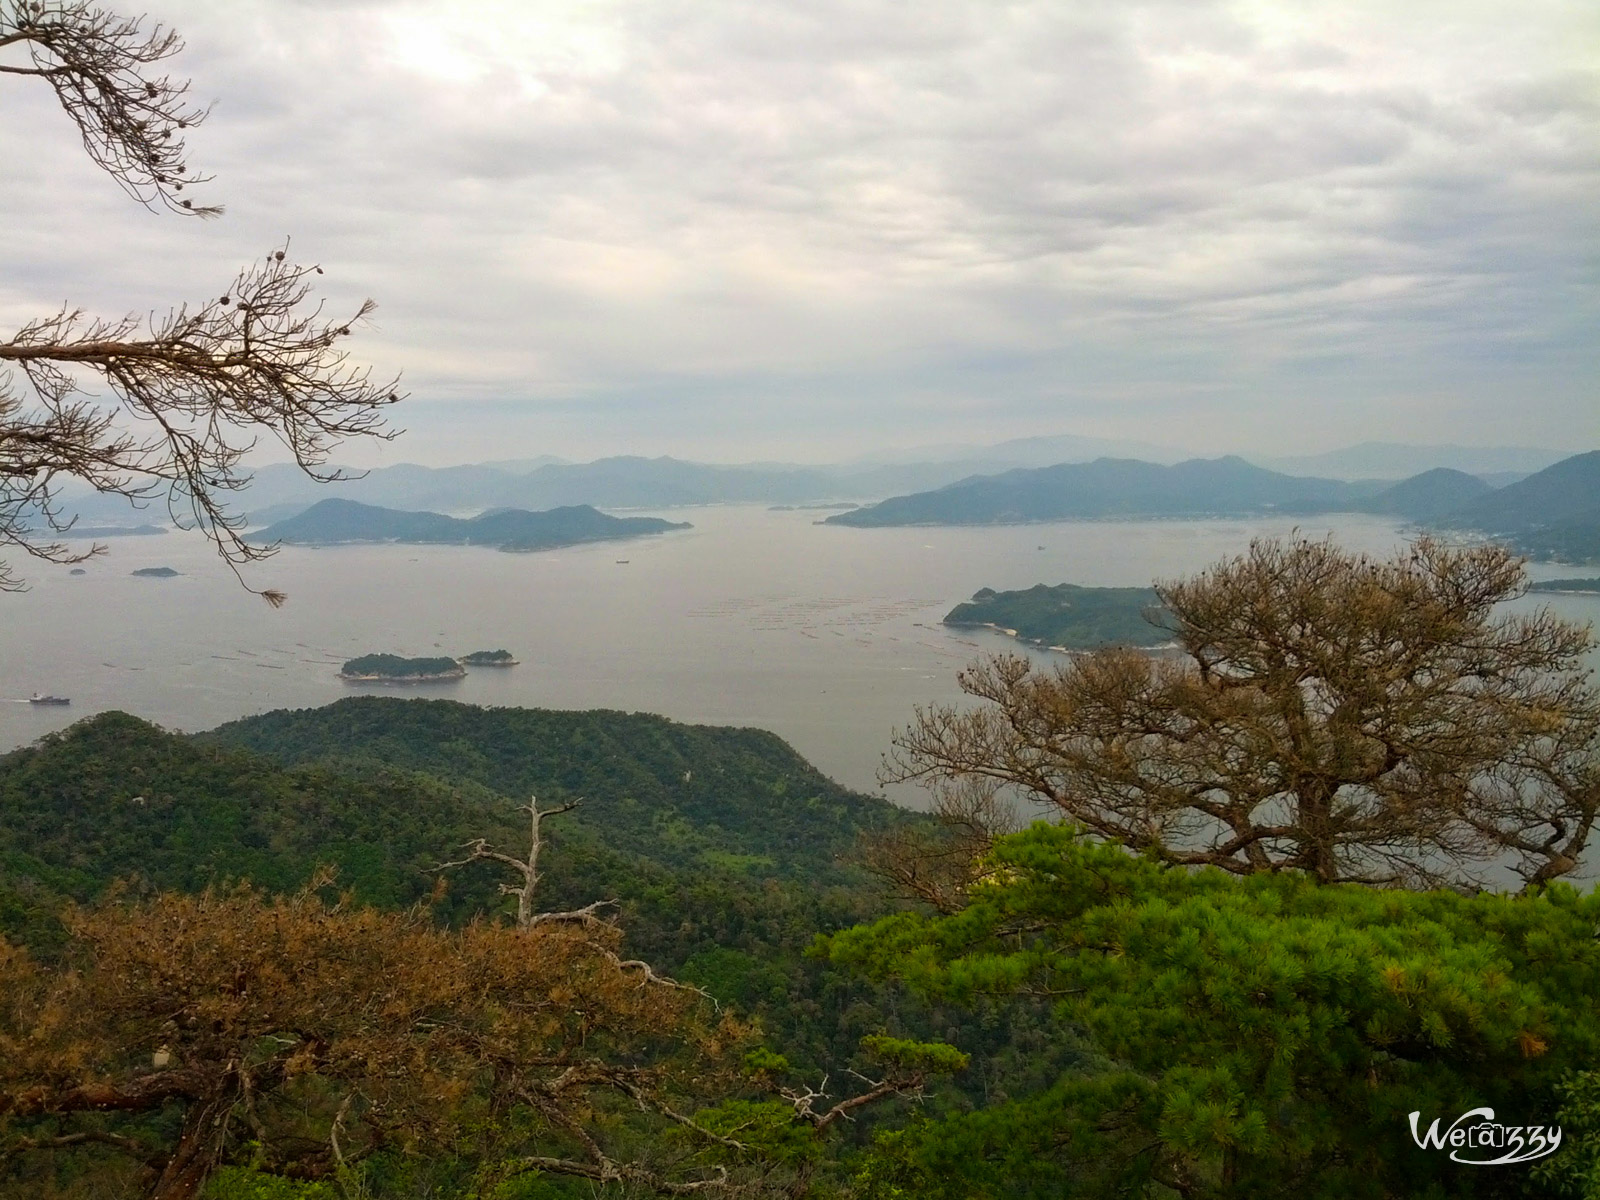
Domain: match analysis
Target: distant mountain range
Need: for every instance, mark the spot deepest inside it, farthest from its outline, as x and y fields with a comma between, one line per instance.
x=1029, y=452
x=279, y=491
x=1429, y=496
x=335, y=522
x=1398, y=460
x=1554, y=513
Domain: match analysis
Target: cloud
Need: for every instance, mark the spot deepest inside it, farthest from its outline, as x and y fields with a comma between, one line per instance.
x=801, y=225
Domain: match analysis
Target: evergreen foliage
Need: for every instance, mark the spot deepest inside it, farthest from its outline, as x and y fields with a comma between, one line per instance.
x=393, y=666
x=682, y=795
x=1261, y=1036
x=1128, y=1029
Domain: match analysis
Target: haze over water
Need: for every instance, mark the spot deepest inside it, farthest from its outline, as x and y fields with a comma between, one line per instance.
x=827, y=636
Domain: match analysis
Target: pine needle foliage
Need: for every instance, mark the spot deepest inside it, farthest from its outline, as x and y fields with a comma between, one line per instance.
x=1262, y=1036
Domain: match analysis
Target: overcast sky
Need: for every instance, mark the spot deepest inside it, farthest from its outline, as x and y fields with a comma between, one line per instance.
x=790, y=230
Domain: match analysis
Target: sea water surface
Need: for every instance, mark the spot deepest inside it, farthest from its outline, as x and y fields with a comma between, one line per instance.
x=826, y=635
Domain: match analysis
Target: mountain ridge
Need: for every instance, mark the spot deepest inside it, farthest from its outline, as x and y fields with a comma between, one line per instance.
x=1109, y=487
x=1552, y=513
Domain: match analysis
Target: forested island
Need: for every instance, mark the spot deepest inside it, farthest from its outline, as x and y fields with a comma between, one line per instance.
x=344, y=522
x=1067, y=616
x=1566, y=585
x=155, y=572
x=392, y=668
x=488, y=658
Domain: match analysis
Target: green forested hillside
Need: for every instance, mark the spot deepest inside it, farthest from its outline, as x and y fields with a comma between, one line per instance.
x=115, y=798
x=686, y=796
x=726, y=851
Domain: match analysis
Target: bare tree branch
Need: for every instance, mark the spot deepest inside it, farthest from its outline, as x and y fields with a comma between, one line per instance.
x=205, y=382
x=102, y=68
x=192, y=392
x=528, y=868
x=1366, y=721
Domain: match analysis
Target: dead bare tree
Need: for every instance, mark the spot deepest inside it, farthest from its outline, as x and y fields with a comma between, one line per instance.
x=906, y=1066
x=193, y=391
x=479, y=850
x=1357, y=720
x=103, y=69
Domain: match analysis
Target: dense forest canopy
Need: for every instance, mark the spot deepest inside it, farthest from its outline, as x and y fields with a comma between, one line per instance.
x=721, y=872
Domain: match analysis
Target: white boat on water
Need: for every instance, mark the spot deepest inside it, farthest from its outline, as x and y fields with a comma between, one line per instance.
x=41, y=698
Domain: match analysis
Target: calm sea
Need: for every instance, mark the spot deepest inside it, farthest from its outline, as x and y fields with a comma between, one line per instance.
x=827, y=636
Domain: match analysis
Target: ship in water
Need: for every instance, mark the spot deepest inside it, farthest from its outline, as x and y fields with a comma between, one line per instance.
x=41, y=698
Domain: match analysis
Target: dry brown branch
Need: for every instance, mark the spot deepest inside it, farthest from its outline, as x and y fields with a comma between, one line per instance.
x=308, y=1035
x=191, y=392
x=607, y=1171
x=103, y=69
x=204, y=383
x=479, y=850
x=938, y=863
x=1358, y=720
x=806, y=1099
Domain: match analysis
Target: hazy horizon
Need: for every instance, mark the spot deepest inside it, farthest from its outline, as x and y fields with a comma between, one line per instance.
x=423, y=452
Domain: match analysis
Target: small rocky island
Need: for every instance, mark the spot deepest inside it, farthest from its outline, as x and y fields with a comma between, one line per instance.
x=1067, y=616
x=488, y=658
x=391, y=668
x=157, y=572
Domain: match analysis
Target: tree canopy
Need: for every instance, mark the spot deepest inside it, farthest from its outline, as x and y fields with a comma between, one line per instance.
x=1258, y=1036
x=323, y=1034
x=1381, y=721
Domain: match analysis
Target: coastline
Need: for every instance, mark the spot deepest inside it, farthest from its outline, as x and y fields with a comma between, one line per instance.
x=440, y=677
x=1040, y=644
